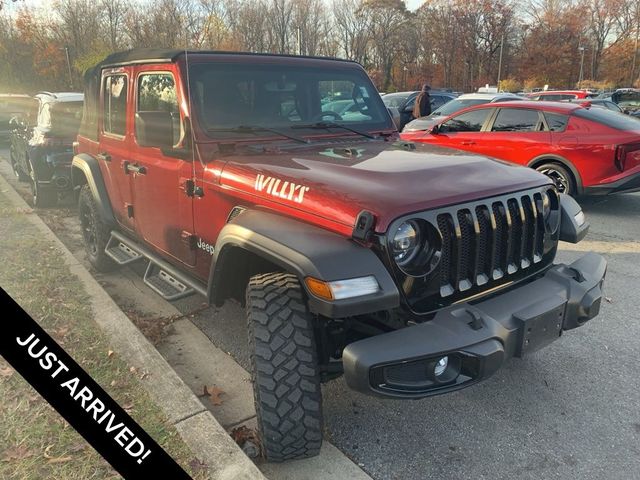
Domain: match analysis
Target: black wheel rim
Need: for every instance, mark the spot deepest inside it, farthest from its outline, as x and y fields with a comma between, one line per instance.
x=558, y=178
x=88, y=224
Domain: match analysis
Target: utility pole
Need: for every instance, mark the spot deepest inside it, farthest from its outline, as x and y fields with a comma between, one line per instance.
x=66, y=51
x=500, y=60
x=299, y=37
x=581, y=49
x=633, y=63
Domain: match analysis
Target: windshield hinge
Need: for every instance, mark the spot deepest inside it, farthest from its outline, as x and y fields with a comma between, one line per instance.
x=363, y=227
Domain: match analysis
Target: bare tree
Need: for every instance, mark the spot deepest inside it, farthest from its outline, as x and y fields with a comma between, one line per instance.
x=352, y=26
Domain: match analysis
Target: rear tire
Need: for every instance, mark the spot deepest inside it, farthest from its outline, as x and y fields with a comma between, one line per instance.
x=94, y=231
x=286, y=380
x=561, y=176
x=41, y=196
x=17, y=171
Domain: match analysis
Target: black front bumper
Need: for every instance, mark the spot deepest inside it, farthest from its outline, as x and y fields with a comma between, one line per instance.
x=477, y=339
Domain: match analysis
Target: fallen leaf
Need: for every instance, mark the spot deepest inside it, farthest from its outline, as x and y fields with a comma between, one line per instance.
x=608, y=299
x=133, y=369
x=46, y=451
x=144, y=375
x=6, y=372
x=215, y=393
x=59, y=459
x=198, y=466
x=248, y=440
x=110, y=354
x=78, y=447
x=128, y=406
x=19, y=452
x=113, y=383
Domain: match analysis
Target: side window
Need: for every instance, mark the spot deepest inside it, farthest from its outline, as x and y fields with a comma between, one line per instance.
x=115, y=104
x=516, y=120
x=556, y=122
x=157, y=93
x=467, y=122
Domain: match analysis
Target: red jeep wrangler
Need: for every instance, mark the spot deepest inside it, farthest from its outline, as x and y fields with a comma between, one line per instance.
x=412, y=270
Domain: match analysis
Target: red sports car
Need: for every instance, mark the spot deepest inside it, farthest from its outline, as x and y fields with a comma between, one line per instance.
x=584, y=150
x=559, y=95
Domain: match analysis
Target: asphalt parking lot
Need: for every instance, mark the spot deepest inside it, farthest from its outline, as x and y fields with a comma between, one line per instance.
x=568, y=411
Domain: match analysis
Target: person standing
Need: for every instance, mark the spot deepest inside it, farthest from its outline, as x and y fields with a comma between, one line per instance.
x=422, y=107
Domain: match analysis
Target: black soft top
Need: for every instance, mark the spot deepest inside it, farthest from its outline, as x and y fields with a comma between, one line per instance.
x=137, y=56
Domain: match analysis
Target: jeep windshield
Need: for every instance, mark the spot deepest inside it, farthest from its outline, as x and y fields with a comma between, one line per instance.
x=291, y=99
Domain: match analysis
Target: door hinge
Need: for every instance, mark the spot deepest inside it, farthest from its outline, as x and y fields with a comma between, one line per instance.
x=189, y=239
x=191, y=189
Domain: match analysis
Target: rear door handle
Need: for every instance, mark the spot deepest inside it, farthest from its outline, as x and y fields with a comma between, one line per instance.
x=104, y=156
x=135, y=168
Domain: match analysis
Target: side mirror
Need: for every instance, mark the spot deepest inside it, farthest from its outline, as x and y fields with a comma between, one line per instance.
x=408, y=109
x=154, y=129
x=435, y=130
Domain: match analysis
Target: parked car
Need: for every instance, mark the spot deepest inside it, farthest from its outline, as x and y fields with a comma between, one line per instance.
x=404, y=268
x=12, y=105
x=598, y=102
x=628, y=99
x=41, y=146
x=584, y=150
x=405, y=101
x=559, y=95
x=463, y=101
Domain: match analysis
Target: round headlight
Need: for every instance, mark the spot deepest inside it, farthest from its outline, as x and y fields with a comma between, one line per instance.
x=405, y=243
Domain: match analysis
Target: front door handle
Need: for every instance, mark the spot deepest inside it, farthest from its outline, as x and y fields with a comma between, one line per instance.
x=135, y=168
x=467, y=143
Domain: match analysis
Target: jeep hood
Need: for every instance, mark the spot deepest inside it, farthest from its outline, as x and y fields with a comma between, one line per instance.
x=334, y=184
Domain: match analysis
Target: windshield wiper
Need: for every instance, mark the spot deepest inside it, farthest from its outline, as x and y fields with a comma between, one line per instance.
x=328, y=125
x=255, y=129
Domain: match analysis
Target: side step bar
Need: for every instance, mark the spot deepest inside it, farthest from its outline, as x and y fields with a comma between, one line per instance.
x=162, y=277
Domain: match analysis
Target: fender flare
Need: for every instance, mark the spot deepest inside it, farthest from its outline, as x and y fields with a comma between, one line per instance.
x=84, y=167
x=306, y=251
x=550, y=157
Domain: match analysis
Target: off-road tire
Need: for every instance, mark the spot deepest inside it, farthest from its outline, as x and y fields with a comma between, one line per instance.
x=17, y=171
x=286, y=380
x=94, y=231
x=41, y=196
x=561, y=177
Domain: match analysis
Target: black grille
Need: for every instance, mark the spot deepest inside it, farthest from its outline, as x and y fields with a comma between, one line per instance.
x=489, y=242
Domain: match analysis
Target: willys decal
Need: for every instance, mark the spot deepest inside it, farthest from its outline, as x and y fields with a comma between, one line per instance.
x=280, y=188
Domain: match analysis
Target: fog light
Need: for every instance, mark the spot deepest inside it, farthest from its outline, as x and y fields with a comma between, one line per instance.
x=441, y=366
x=444, y=369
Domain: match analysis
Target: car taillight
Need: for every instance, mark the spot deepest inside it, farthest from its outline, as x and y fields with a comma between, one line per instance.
x=621, y=154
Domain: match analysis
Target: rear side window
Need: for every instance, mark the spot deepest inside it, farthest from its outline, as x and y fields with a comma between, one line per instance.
x=157, y=93
x=619, y=121
x=115, y=103
x=516, y=120
x=556, y=122
x=467, y=122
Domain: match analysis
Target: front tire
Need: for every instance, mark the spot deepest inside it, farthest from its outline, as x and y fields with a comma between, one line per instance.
x=94, y=231
x=286, y=379
x=561, y=177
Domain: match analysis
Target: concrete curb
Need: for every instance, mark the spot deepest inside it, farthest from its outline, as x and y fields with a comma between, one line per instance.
x=207, y=439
